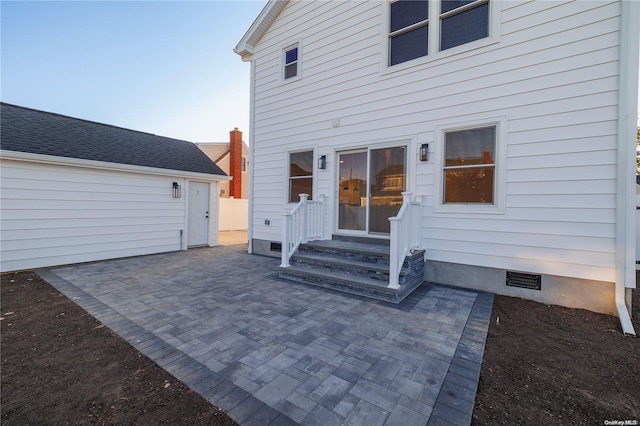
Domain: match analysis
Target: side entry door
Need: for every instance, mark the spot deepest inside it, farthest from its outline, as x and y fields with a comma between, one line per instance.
x=198, y=214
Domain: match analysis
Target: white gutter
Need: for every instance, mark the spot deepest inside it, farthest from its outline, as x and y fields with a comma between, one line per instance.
x=103, y=165
x=625, y=198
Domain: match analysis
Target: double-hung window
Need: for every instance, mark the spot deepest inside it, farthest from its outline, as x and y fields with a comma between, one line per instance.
x=291, y=62
x=300, y=175
x=408, y=30
x=419, y=28
x=469, y=166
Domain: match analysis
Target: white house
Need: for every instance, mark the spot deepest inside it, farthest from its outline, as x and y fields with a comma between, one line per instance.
x=77, y=191
x=513, y=121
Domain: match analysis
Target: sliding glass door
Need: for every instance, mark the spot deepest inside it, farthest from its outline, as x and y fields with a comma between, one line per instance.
x=370, y=186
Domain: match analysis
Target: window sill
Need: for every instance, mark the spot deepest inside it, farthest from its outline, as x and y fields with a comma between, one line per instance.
x=436, y=58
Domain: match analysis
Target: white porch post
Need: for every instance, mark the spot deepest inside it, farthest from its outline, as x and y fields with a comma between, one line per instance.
x=323, y=215
x=286, y=237
x=303, y=222
x=394, y=272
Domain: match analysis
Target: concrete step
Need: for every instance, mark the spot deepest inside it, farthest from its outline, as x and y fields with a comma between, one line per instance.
x=357, y=252
x=356, y=267
x=361, y=286
x=333, y=263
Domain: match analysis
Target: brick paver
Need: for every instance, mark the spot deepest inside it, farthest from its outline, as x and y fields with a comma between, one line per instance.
x=270, y=351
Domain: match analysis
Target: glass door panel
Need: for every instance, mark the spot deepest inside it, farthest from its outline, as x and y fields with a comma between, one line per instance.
x=352, y=190
x=386, y=184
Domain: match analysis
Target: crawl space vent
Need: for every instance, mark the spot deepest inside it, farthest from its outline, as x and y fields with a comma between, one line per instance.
x=520, y=279
x=276, y=247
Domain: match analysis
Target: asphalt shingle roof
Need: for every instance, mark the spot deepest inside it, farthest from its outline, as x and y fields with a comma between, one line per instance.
x=39, y=132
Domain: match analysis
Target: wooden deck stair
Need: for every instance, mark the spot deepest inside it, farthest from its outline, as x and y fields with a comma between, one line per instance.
x=359, y=267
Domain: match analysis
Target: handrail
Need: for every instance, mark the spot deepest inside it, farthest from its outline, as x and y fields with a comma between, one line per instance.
x=405, y=236
x=305, y=222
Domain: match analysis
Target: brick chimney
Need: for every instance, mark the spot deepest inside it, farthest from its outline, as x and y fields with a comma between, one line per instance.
x=235, y=160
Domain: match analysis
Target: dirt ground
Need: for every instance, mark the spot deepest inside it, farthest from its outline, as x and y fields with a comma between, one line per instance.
x=542, y=365
x=550, y=365
x=60, y=366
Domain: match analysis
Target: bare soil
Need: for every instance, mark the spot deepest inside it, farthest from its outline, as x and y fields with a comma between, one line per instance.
x=542, y=365
x=60, y=366
x=551, y=365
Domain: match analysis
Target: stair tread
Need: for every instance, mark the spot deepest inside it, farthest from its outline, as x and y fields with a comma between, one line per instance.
x=368, y=282
x=346, y=262
x=350, y=246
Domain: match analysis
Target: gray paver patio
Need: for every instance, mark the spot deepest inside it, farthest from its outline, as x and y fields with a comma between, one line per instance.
x=270, y=351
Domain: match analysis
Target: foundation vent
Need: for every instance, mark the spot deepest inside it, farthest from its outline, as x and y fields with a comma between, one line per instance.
x=276, y=247
x=520, y=279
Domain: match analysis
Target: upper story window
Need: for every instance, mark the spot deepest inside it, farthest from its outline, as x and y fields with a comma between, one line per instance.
x=244, y=164
x=300, y=175
x=412, y=34
x=408, y=30
x=291, y=62
x=463, y=21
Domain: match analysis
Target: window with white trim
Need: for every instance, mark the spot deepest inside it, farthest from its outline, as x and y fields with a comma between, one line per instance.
x=300, y=175
x=469, y=166
x=291, y=61
x=454, y=22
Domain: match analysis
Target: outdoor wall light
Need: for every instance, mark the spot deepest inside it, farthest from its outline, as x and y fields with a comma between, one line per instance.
x=424, y=152
x=177, y=190
x=322, y=162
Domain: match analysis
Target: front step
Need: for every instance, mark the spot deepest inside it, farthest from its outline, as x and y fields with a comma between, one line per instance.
x=354, y=267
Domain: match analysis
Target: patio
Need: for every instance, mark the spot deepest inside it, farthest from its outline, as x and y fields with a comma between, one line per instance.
x=270, y=351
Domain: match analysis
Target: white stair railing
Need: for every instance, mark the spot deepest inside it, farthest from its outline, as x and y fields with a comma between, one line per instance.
x=304, y=223
x=405, y=236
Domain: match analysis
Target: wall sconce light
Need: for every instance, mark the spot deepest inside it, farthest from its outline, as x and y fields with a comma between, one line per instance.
x=177, y=190
x=424, y=152
x=322, y=162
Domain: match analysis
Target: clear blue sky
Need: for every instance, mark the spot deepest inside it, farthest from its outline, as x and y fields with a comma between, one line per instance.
x=163, y=67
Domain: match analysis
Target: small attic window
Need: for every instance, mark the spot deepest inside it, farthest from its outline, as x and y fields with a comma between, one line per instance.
x=291, y=62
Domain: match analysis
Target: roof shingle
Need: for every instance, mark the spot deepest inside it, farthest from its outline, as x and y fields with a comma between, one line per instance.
x=39, y=132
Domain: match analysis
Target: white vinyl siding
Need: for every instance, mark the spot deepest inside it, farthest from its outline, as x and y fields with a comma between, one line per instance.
x=553, y=75
x=52, y=215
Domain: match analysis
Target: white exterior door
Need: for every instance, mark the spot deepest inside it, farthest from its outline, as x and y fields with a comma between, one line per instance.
x=198, y=214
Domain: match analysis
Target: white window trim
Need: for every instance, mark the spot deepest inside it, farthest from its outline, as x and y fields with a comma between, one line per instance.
x=314, y=175
x=283, y=61
x=498, y=207
x=495, y=10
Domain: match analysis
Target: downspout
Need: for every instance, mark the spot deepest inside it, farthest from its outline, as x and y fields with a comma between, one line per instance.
x=252, y=90
x=625, y=194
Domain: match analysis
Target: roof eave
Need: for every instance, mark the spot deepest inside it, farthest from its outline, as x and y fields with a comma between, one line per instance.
x=259, y=27
x=103, y=165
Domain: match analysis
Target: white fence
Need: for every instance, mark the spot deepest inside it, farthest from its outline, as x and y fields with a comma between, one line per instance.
x=234, y=214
